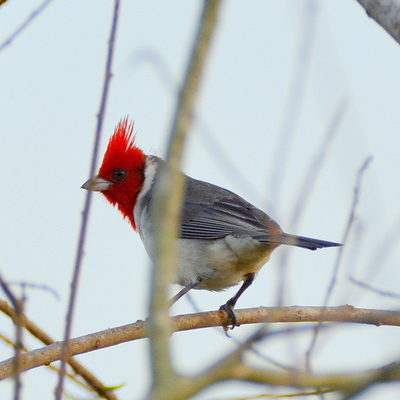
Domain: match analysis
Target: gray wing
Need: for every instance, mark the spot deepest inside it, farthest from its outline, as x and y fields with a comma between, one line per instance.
x=210, y=212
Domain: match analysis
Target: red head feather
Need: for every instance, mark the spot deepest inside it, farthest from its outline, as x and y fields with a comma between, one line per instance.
x=123, y=165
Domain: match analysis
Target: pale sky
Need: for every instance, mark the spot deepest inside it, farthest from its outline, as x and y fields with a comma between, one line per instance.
x=256, y=89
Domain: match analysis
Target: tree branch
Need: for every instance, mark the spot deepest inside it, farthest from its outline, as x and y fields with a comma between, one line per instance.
x=167, y=205
x=386, y=13
x=92, y=380
x=347, y=383
x=86, y=210
x=126, y=333
x=25, y=24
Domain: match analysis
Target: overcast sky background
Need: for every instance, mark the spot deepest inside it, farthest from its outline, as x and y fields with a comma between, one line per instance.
x=278, y=73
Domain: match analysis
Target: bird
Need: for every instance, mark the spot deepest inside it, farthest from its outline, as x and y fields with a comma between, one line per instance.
x=223, y=239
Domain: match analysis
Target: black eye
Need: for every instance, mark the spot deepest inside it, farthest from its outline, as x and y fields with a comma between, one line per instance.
x=119, y=174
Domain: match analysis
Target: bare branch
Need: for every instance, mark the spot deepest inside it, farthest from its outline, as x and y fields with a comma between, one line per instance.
x=386, y=13
x=135, y=331
x=18, y=305
x=348, y=384
x=316, y=162
x=167, y=205
x=335, y=272
x=85, y=214
x=356, y=198
x=294, y=100
x=309, y=181
x=379, y=292
x=25, y=24
x=92, y=380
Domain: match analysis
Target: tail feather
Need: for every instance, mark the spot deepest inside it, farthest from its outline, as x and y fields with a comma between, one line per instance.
x=307, y=243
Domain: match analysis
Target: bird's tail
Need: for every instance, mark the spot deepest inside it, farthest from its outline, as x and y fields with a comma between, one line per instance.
x=307, y=243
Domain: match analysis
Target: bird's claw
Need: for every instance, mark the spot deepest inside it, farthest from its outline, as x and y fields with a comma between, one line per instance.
x=231, y=316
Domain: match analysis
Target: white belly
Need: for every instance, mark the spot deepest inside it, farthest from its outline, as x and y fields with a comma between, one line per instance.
x=218, y=264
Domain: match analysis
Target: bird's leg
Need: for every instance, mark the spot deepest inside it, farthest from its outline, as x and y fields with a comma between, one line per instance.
x=230, y=304
x=183, y=292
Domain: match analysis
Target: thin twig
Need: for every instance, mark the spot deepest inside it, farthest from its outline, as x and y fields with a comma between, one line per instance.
x=383, y=250
x=290, y=118
x=356, y=199
x=24, y=25
x=373, y=289
x=316, y=162
x=310, y=178
x=18, y=305
x=281, y=396
x=349, y=226
x=85, y=214
x=166, y=209
x=37, y=286
x=294, y=99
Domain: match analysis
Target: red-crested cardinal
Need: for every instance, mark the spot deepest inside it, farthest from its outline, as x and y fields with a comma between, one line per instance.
x=223, y=239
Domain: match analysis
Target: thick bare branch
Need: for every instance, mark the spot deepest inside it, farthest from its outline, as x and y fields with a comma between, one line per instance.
x=111, y=337
x=167, y=205
x=386, y=13
x=347, y=383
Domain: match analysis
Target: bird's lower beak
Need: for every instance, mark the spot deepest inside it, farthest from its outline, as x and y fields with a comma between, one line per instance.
x=96, y=184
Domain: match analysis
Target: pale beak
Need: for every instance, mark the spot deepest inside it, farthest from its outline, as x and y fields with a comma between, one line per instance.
x=96, y=184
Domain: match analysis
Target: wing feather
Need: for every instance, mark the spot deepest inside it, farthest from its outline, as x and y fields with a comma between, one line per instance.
x=211, y=212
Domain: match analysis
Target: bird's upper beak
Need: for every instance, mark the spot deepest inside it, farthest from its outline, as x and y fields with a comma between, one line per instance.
x=96, y=184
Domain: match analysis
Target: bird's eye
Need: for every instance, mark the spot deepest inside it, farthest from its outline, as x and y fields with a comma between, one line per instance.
x=119, y=175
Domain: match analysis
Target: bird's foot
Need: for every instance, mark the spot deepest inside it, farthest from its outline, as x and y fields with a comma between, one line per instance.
x=231, y=316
